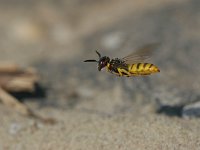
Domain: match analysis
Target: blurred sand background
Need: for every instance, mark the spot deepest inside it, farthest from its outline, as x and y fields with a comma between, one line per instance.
x=97, y=110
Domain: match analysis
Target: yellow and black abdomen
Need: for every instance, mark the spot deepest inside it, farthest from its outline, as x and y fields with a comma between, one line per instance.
x=142, y=69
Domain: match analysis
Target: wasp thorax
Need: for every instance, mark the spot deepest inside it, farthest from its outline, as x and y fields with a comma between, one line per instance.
x=103, y=61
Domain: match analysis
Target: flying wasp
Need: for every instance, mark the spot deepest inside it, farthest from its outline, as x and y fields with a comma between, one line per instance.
x=132, y=65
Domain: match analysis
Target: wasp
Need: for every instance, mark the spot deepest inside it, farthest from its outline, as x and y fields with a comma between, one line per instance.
x=132, y=65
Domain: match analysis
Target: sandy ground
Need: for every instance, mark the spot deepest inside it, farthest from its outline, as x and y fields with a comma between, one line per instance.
x=97, y=110
x=78, y=130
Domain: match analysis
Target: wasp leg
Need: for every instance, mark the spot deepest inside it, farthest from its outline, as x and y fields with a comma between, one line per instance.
x=121, y=71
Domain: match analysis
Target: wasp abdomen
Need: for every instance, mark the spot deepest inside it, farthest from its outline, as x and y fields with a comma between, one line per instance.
x=143, y=69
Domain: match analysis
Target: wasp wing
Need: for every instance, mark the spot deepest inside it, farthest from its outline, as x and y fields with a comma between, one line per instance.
x=141, y=55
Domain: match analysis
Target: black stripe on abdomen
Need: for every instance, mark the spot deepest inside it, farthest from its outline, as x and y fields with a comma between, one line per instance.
x=138, y=65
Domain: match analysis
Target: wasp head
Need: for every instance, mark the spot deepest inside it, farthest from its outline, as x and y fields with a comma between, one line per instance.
x=102, y=62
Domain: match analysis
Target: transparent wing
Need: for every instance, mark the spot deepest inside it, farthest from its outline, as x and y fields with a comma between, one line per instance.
x=141, y=55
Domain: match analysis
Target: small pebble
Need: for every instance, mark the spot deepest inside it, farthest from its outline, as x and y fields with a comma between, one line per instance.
x=191, y=111
x=15, y=128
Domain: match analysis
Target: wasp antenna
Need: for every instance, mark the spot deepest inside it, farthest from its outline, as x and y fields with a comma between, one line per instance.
x=90, y=60
x=98, y=54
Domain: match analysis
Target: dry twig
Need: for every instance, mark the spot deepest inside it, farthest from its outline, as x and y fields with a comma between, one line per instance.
x=15, y=79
